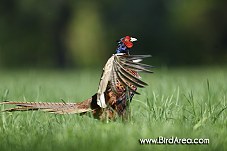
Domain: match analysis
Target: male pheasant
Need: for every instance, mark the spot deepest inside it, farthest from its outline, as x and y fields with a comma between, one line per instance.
x=118, y=84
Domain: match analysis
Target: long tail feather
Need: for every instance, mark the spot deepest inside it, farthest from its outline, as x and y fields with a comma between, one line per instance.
x=58, y=108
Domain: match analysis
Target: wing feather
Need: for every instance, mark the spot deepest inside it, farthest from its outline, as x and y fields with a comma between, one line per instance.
x=117, y=69
x=130, y=76
x=106, y=77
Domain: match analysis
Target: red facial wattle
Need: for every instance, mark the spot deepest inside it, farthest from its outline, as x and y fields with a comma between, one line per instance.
x=127, y=42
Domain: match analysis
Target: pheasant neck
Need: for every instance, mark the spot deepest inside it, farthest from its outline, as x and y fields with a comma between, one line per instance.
x=122, y=49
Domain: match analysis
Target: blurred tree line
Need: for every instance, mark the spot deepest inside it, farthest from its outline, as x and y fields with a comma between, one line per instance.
x=59, y=33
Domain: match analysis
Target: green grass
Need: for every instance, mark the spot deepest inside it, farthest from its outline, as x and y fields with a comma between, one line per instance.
x=184, y=103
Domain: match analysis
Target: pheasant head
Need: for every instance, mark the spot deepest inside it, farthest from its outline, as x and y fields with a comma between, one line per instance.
x=124, y=44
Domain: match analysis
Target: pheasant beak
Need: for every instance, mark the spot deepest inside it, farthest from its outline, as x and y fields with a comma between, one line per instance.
x=133, y=39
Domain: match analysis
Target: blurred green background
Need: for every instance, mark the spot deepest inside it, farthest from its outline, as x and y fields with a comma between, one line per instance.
x=73, y=34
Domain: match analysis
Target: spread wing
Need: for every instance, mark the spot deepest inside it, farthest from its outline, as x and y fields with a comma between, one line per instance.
x=118, y=68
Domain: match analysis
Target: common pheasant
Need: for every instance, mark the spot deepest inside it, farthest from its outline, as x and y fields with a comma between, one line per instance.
x=118, y=84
